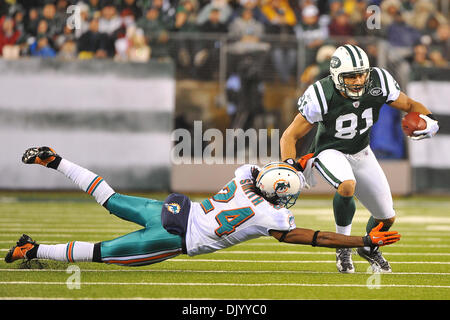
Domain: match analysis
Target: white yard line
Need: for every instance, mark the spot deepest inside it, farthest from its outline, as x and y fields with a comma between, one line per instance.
x=290, y=284
x=220, y=271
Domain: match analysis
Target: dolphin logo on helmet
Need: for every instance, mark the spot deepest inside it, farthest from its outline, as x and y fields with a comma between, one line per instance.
x=279, y=183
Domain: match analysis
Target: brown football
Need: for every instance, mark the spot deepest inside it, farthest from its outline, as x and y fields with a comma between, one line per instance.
x=412, y=122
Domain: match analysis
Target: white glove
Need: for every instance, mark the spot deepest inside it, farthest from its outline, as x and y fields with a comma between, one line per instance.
x=430, y=131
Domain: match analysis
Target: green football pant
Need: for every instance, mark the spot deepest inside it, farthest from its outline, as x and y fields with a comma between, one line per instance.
x=146, y=246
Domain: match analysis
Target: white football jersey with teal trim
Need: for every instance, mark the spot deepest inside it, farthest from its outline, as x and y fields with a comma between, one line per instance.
x=233, y=215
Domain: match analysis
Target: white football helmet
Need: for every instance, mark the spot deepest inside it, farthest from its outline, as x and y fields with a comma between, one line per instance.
x=279, y=183
x=349, y=60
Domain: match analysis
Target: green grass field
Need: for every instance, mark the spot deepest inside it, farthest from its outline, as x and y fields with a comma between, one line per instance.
x=258, y=269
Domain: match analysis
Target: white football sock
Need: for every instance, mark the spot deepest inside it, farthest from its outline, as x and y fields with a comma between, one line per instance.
x=86, y=180
x=74, y=251
x=347, y=230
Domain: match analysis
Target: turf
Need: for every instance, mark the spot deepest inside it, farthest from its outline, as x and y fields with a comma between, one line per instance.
x=257, y=269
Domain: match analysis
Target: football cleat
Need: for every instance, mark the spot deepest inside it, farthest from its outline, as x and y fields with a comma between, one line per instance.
x=20, y=250
x=376, y=259
x=344, y=262
x=39, y=155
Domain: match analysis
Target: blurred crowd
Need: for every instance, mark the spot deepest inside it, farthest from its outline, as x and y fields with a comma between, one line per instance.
x=139, y=30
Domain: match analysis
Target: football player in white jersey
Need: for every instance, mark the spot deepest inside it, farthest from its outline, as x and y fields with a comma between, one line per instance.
x=345, y=105
x=254, y=203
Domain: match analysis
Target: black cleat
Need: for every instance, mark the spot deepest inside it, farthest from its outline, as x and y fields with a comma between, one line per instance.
x=40, y=155
x=376, y=259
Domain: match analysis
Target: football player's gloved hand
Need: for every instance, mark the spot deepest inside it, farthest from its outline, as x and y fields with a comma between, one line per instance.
x=300, y=164
x=380, y=238
x=430, y=131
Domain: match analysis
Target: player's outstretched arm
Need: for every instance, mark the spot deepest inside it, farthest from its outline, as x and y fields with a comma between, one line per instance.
x=335, y=240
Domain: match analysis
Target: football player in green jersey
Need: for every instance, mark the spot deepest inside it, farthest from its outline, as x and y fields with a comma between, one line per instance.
x=345, y=105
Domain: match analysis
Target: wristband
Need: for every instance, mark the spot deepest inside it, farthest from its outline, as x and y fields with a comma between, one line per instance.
x=368, y=241
x=314, y=239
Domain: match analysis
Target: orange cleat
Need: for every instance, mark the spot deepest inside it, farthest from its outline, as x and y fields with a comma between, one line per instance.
x=20, y=250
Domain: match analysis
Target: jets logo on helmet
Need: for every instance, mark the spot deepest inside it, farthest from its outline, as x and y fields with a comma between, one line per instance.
x=353, y=61
x=279, y=183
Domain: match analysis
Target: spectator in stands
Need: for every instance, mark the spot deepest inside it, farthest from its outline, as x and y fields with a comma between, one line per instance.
x=55, y=24
x=225, y=11
x=155, y=33
x=127, y=7
x=18, y=15
x=282, y=20
x=186, y=16
x=438, y=59
x=92, y=43
x=389, y=10
x=214, y=24
x=166, y=12
x=41, y=48
x=207, y=59
x=423, y=10
x=42, y=30
x=186, y=21
x=32, y=21
x=340, y=25
x=133, y=46
x=253, y=5
x=280, y=15
x=441, y=40
x=66, y=44
x=321, y=67
x=401, y=35
x=8, y=34
x=109, y=25
x=420, y=56
x=311, y=32
x=95, y=8
x=247, y=55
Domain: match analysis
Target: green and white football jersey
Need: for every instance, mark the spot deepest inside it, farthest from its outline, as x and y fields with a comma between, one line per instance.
x=344, y=124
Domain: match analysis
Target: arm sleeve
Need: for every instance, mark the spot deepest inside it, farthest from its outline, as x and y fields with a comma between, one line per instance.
x=309, y=107
x=392, y=86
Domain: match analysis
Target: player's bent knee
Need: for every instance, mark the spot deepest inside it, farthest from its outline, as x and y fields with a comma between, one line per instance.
x=387, y=223
x=347, y=188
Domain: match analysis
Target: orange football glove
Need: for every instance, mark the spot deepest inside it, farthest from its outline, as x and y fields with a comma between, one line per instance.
x=300, y=164
x=381, y=238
